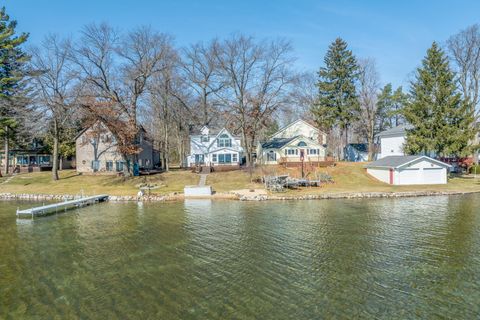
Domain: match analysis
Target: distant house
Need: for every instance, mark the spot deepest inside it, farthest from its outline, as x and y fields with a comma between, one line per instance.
x=214, y=148
x=392, y=141
x=33, y=158
x=408, y=170
x=296, y=142
x=97, y=151
x=356, y=152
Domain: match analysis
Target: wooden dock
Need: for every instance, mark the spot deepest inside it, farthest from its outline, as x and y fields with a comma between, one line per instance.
x=61, y=206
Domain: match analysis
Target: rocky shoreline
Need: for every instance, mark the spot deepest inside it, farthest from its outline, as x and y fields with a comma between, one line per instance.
x=243, y=197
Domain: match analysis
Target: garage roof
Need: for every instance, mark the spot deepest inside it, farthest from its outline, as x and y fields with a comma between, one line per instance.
x=400, y=161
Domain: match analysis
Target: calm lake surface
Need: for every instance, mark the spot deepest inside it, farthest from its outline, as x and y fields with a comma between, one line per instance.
x=385, y=258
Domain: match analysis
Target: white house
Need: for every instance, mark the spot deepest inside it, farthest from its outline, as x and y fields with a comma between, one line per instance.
x=408, y=170
x=214, y=148
x=392, y=141
x=296, y=142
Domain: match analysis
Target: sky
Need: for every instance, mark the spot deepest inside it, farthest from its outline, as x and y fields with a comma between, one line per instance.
x=396, y=34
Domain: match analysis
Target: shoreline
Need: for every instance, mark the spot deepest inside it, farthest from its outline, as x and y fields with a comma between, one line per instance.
x=236, y=197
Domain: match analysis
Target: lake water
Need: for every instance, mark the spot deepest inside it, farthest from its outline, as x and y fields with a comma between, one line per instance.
x=385, y=258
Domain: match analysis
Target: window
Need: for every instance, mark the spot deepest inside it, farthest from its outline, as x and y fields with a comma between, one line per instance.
x=291, y=151
x=234, y=157
x=109, y=165
x=225, y=158
x=224, y=141
x=271, y=156
x=119, y=166
x=205, y=138
x=44, y=160
x=302, y=144
x=313, y=151
x=214, y=157
x=22, y=160
x=95, y=165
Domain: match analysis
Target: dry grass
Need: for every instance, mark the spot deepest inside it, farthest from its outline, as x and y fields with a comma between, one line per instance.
x=73, y=183
x=352, y=177
x=231, y=180
x=349, y=177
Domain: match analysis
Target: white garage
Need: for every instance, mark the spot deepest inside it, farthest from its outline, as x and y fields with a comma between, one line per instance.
x=408, y=170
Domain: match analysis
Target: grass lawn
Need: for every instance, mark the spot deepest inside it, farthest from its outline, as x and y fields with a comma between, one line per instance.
x=349, y=177
x=72, y=183
x=352, y=177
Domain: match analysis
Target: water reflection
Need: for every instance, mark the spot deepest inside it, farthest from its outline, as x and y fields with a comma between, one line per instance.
x=410, y=258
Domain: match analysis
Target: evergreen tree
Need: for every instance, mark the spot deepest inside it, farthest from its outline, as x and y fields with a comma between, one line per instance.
x=391, y=104
x=12, y=71
x=440, y=118
x=337, y=103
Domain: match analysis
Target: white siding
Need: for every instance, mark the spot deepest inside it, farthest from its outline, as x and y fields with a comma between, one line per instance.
x=421, y=172
x=301, y=128
x=391, y=146
x=380, y=174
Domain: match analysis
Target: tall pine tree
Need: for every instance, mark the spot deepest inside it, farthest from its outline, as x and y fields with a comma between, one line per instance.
x=12, y=71
x=391, y=104
x=337, y=104
x=440, y=118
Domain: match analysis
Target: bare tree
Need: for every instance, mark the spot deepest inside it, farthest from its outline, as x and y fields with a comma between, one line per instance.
x=116, y=70
x=168, y=101
x=55, y=86
x=370, y=114
x=202, y=75
x=257, y=77
x=464, y=49
x=302, y=98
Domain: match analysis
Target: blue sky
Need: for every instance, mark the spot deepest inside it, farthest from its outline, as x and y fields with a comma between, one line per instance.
x=395, y=33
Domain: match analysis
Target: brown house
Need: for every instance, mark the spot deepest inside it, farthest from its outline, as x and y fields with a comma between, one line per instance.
x=97, y=151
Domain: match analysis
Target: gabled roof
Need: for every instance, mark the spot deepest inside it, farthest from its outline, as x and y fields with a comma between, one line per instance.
x=395, y=162
x=396, y=131
x=278, y=143
x=215, y=137
x=96, y=121
x=294, y=122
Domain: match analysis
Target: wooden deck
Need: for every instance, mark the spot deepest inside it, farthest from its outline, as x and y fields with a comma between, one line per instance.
x=61, y=206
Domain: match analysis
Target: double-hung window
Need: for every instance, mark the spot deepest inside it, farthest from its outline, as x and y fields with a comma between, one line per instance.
x=214, y=157
x=109, y=165
x=95, y=165
x=119, y=166
x=234, y=157
x=271, y=156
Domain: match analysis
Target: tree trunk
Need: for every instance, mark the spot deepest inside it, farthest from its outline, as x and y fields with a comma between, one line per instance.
x=55, y=151
x=346, y=143
x=167, y=160
x=7, y=151
x=248, y=154
x=205, y=108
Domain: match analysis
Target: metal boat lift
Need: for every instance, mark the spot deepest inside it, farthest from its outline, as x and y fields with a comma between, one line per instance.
x=56, y=207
